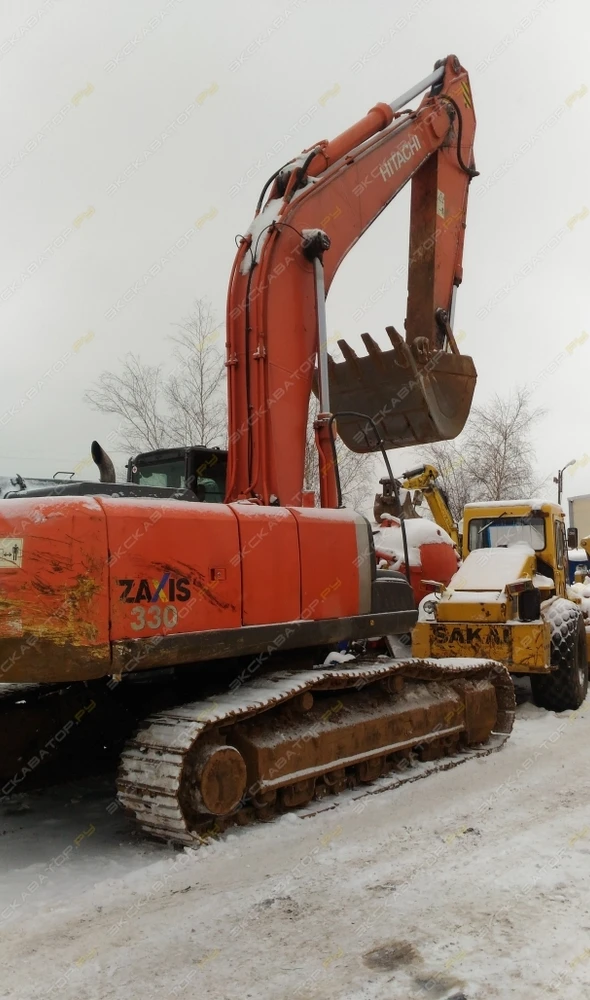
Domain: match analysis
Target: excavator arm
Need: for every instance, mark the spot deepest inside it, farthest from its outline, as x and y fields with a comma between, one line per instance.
x=425, y=479
x=317, y=208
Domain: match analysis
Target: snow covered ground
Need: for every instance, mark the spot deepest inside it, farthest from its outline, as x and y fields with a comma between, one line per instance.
x=472, y=883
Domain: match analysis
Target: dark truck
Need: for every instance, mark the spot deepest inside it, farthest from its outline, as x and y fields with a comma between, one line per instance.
x=196, y=473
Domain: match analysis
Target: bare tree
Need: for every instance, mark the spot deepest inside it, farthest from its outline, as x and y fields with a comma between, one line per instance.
x=449, y=460
x=184, y=407
x=493, y=459
x=500, y=453
x=134, y=395
x=195, y=389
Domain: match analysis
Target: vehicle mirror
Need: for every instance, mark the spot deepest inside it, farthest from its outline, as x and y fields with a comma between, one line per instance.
x=572, y=538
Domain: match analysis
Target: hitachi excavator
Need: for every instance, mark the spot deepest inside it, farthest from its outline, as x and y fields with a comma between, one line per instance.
x=255, y=624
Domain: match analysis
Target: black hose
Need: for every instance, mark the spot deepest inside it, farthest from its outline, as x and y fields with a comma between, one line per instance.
x=268, y=183
x=273, y=177
x=303, y=169
x=471, y=171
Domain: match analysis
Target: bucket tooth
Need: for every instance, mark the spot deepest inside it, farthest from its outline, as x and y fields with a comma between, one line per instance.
x=400, y=348
x=347, y=351
x=395, y=337
x=373, y=349
x=351, y=358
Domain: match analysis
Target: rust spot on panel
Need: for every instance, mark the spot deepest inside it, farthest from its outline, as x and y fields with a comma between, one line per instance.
x=70, y=621
x=78, y=602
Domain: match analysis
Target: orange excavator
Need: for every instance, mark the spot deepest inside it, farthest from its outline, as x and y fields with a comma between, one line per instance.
x=249, y=631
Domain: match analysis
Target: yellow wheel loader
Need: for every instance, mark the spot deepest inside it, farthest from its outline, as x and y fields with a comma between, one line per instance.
x=509, y=601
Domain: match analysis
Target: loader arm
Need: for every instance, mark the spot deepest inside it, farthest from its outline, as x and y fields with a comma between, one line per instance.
x=274, y=306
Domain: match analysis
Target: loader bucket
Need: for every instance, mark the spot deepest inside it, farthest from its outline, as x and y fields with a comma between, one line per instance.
x=413, y=398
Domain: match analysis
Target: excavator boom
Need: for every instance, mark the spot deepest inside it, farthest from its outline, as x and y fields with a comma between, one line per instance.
x=323, y=201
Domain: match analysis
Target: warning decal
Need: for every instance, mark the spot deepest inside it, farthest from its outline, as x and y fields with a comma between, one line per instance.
x=11, y=552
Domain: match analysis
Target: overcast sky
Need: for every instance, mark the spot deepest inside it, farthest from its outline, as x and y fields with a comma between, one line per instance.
x=239, y=88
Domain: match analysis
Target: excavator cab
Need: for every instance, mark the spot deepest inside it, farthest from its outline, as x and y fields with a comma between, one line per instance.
x=200, y=469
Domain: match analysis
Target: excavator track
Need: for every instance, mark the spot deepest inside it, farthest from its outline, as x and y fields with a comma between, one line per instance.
x=277, y=742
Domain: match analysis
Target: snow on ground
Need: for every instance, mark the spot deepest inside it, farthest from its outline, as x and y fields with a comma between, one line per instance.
x=474, y=882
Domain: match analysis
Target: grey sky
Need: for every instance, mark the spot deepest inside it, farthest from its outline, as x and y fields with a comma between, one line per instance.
x=89, y=88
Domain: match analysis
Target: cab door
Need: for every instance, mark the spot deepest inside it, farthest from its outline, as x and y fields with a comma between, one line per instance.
x=560, y=558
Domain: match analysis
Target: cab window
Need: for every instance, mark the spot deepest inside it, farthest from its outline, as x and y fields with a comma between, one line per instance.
x=167, y=474
x=502, y=532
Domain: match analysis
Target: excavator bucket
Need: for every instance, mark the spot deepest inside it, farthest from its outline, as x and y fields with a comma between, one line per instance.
x=413, y=395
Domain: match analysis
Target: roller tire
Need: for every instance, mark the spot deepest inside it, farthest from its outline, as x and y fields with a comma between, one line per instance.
x=567, y=685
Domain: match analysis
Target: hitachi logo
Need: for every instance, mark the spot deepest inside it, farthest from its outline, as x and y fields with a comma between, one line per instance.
x=392, y=164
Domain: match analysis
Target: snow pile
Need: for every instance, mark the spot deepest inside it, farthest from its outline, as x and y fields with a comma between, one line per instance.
x=535, y=503
x=475, y=596
x=258, y=230
x=491, y=569
x=334, y=658
x=310, y=234
x=389, y=544
x=577, y=555
x=299, y=161
x=580, y=593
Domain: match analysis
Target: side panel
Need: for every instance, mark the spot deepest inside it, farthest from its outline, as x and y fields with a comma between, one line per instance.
x=336, y=568
x=462, y=640
x=523, y=646
x=531, y=647
x=171, y=567
x=54, y=601
x=475, y=607
x=268, y=557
